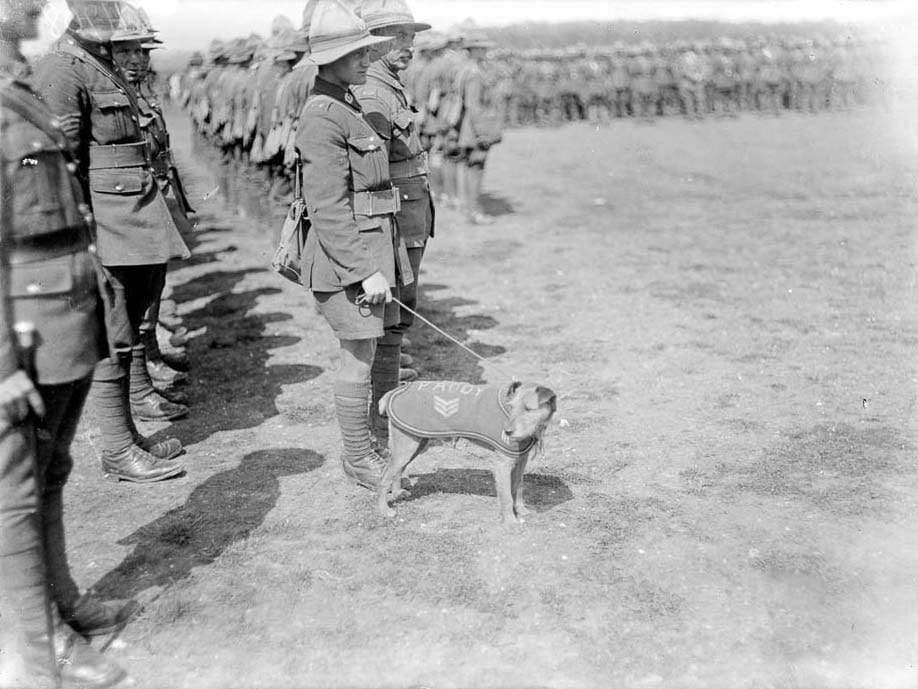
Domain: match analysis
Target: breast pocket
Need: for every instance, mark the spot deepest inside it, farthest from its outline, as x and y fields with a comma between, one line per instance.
x=368, y=160
x=43, y=199
x=112, y=117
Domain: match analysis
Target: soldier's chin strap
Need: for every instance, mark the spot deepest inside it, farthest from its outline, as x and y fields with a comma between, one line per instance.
x=509, y=376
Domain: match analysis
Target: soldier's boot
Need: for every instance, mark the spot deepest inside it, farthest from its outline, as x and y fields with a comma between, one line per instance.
x=123, y=456
x=384, y=376
x=360, y=462
x=80, y=665
x=146, y=403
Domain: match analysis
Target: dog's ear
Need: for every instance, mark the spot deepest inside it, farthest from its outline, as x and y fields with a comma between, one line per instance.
x=543, y=396
x=514, y=386
x=539, y=397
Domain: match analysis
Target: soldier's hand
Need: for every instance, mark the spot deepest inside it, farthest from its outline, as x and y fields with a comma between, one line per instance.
x=18, y=396
x=376, y=289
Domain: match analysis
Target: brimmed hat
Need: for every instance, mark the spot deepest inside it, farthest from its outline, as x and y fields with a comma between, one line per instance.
x=336, y=31
x=381, y=13
x=102, y=21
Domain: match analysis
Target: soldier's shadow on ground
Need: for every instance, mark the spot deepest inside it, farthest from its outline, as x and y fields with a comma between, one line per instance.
x=232, y=384
x=223, y=510
x=541, y=493
x=495, y=205
x=435, y=356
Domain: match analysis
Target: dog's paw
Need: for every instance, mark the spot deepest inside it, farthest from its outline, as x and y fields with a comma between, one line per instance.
x=399, y=495
x=521, y=510
x=388, y=513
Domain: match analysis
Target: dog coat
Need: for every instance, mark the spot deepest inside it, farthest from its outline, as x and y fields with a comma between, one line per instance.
x=444, y=409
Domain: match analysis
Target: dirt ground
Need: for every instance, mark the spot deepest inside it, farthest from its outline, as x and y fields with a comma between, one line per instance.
x=727, y=495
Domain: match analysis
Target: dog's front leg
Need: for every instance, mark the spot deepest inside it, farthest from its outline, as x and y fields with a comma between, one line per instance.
x=502, y=482
x=516, y=485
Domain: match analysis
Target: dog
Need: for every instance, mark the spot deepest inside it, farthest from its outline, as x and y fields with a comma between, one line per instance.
x=509, y=420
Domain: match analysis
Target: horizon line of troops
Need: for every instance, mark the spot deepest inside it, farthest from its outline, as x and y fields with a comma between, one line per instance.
x=694, y=79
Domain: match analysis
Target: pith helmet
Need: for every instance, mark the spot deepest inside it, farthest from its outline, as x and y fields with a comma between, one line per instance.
x=101, y=21
x=336, y=31
x=381, y=13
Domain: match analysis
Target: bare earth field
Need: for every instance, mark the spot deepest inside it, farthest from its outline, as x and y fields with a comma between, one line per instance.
x=727, y=496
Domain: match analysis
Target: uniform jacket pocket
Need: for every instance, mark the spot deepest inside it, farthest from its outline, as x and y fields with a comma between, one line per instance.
x=122, y=181
x=112, y=117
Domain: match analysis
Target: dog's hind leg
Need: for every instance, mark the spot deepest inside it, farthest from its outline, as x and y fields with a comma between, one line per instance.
x=403, y=448
x=516, y=485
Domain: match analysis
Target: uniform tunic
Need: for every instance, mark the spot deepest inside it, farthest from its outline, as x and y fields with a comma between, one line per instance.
x=385, y=105
x=343, y=159
x=100, y=116
x=48, y=276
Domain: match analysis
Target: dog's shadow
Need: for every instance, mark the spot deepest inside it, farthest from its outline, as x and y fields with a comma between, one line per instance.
x=541, y=492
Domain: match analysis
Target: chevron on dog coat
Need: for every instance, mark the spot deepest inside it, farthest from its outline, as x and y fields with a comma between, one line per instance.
x=449, y=409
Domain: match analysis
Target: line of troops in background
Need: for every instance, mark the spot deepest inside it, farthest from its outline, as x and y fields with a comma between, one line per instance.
x=245, y=97
x=692, y=79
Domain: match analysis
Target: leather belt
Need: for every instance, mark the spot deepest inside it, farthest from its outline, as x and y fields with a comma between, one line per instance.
x=412, y=167
x=47, y=246
x=118, y=155
x=381, y=202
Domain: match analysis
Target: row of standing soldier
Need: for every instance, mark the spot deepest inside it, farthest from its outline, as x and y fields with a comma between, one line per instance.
x=93, y=210
x=247, y=97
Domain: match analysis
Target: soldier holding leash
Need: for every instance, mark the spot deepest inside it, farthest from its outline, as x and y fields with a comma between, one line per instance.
x=354, y=257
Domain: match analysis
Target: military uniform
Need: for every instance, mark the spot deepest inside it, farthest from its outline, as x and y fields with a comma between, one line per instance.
x=386, y=106
x=349, y=198
x=137, y=234
x=48, y=279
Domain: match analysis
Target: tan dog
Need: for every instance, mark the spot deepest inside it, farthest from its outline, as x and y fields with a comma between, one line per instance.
x=508, y=420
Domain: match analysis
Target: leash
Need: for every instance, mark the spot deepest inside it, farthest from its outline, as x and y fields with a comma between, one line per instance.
x=509, y=376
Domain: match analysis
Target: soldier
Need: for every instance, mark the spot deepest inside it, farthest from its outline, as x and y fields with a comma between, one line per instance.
x=385, y=105
x=620, y=82
x=643, y=86
x=136, y=231
x=146, y=356
x=50, y=340
x=479, y=127
x=354, y=257
x=692, y=86
x=446, y=105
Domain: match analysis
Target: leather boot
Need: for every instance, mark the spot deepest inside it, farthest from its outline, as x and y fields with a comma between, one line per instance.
x=138, y=466
x=169, y=448
x=81, y=666
x=155, y=407
x=367, y=471
x=92, y=617
x=163, y=374
x=173, y=394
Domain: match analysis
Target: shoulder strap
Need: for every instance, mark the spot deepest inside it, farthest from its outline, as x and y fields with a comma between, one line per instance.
x=84, y=56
